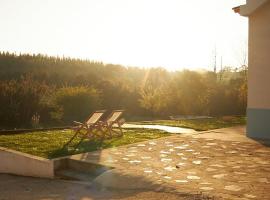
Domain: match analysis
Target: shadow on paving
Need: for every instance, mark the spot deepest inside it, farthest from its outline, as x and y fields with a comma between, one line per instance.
x=26, y=188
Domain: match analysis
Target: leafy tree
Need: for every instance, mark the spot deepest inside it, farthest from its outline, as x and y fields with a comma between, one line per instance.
x=75, y=103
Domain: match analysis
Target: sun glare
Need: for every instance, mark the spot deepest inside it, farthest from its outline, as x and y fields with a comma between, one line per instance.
x=175, y=34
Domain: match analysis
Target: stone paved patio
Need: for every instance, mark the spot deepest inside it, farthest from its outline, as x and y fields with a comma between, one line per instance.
x=220, y=164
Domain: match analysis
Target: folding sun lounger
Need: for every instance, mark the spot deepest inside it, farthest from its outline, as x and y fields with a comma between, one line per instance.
x=113, y=121
x=87, y=127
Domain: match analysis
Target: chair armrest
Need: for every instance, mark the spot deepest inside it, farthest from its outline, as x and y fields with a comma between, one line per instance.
x=75, y=122
x=121, y=121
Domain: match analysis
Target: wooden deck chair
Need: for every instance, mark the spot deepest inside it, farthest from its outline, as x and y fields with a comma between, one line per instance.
x=85, y=128
x=113, y=121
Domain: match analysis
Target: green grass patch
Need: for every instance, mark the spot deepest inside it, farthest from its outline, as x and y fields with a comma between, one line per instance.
x=201, y=124
x=49, y=144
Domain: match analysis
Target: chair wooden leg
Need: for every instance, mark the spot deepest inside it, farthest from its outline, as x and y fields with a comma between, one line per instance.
x=76, y=133
x=121, y=131
x=110, y=132
x=79, y=143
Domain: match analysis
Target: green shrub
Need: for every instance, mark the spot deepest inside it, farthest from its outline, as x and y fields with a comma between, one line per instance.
x=20, y=100
x=75, y=103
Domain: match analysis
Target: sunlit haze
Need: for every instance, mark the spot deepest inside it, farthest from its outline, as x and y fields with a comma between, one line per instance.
x=174, y=34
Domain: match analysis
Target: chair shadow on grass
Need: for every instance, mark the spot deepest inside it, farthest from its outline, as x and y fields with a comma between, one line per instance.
x=85, y=146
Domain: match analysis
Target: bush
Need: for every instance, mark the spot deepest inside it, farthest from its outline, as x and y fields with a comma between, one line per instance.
x=75, y=103
x=20, y=100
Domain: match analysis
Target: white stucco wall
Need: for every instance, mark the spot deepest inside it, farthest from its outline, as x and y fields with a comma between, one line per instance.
x=259, y=58
x=14, y=162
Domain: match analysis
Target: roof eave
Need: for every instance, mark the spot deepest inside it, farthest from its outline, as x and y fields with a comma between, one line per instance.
x=250, y=7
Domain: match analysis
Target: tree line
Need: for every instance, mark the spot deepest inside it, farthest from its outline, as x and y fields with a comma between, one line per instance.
x=60, y=90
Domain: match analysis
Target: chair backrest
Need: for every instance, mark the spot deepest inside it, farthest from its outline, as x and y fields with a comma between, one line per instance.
x=95, y=117
x=115, y=115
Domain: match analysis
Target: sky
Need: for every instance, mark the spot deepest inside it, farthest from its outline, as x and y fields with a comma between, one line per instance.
x=175, y=34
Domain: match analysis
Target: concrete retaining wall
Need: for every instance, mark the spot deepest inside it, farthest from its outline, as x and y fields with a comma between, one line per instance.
x=14, y=162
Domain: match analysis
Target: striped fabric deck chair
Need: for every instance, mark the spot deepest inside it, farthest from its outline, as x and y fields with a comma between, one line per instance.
x=112, y=125
x=87, y=127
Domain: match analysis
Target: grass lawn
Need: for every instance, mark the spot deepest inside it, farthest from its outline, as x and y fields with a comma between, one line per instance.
x=49, y=144
x=201, y=124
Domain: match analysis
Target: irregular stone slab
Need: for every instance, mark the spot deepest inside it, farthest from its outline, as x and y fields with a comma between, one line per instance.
x=167, y=177
x=205, y=146
x=130, y=155
x=218, y=149
x=209, y=139
x=197, y=162
x=171, y=150
x=239, y=162
x=180, y=147
x=262, y=162
x=204, y=157
x=141, y=145
x=252, y=166
x=244, y=155
x=118, y=180
x=180, y=154
x=263, y=180
x=125, y=158
x=211, y=144
x=217, y=165
x=181, y=181
x=183, y=158
x=243, y=181
x=189, y=150
x=231, y=152
x=250, y=196
x=148, y=171
x=262, y=151
x=117, y=153
x=196, y=153
x=241, y=149
x=132, y=147
x=206, y=188
x=169, y=168
x=166, y=160
x=132, y=151
x=209, y=169
x=163, y=155
x=152, y=143
x=145, y=157
x=134, y=161
x=240, y=173
x=193, y=177
x=206, y=183
x=234, y=188
x=219, y=176
x=165, y=152
x=180, y=164
x=111, y=161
